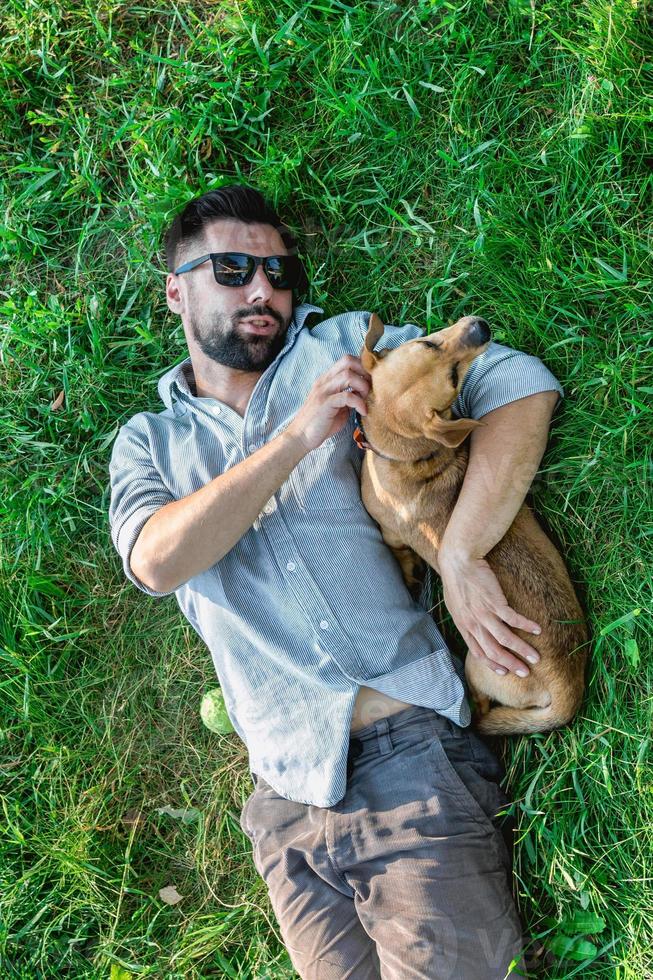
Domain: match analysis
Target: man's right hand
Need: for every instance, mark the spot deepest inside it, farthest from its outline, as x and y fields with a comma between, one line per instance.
x=329, y=402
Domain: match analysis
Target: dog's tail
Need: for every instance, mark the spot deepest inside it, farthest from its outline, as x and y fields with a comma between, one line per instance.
x=559, y=702
x=520, y=721
x=564, y=703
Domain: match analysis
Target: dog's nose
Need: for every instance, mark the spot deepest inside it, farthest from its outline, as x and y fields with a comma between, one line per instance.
x=479, y=331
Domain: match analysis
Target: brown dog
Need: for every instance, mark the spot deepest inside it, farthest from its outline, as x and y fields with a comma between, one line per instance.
x=410, y=480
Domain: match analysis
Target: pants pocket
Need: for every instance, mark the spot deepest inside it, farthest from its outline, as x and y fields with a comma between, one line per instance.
x=473, y=773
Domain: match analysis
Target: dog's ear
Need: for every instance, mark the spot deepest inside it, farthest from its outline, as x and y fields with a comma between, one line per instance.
x=450, y=432
x=374, y=333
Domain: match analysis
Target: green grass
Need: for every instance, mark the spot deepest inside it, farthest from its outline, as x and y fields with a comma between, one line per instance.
x=436, y=158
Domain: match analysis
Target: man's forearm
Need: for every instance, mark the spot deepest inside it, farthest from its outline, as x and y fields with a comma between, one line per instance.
x=188, y=536
x=504, y=456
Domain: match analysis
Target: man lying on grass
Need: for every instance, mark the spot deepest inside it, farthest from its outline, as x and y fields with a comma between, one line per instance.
x=381, y=849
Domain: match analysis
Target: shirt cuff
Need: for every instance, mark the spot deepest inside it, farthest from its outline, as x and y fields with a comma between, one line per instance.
x=125, y=538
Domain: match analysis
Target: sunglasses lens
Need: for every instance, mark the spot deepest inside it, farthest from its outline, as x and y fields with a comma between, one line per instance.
x=276, y=271
x=283, y=271
x=279, y=272
x=232, y=268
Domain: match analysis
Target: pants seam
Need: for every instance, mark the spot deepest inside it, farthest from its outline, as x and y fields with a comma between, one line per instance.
x=338, y=873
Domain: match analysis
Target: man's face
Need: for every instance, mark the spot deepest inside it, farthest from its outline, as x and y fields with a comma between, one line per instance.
x=213, y=315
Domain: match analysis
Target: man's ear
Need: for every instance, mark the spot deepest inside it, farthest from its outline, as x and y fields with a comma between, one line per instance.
x=450, y=432
x=374, y=333
x=173, y=296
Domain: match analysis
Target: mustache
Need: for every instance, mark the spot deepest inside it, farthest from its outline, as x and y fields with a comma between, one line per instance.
x=259, y=311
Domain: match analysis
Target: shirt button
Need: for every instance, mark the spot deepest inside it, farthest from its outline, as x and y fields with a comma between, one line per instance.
x=216, y=409
x=291, y=566
x=253, y=446
x=324, y=625
x=268, y=509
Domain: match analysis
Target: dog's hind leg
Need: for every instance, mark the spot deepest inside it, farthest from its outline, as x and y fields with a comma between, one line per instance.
x=481, y=701
x=412, y=568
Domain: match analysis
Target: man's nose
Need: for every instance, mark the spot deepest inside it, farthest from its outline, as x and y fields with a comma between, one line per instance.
x=259, y=289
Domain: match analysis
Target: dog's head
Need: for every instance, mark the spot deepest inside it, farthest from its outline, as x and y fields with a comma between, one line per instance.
x=415, y=384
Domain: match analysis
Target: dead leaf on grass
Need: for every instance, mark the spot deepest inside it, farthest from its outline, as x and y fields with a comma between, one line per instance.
x=170, y=895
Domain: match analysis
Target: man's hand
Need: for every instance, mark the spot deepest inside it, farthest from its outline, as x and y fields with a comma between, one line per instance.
x=344, y=386
x=479, y=609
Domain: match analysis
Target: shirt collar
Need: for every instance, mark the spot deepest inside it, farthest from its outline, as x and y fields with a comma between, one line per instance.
x=179, y=376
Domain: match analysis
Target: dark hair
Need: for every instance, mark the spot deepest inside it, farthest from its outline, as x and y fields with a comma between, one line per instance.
x=230, y=201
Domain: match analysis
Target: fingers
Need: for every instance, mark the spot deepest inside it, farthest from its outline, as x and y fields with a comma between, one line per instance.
x=346, y=370
x=478, y=652
x=498, y=655
x=519, y=622
x=492, y=640
x=473, y=647
x=349, y=361
x=349, y=399
x=509, y=640
x=349, y=381
x=348, y=374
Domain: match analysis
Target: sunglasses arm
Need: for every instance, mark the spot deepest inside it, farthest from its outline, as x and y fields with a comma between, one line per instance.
x=191, y=265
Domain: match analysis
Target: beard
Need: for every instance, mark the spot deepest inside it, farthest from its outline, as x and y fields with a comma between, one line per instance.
x=218, y=337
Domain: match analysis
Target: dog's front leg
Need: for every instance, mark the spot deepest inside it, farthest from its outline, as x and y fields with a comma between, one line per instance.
x=413, y=568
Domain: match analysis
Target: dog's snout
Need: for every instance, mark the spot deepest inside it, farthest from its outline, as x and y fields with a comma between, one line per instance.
x=479, y=331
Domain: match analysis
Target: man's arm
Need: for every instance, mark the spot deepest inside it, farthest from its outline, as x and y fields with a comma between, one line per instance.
x=182, y=538
x=504, y=457
x=187, y=536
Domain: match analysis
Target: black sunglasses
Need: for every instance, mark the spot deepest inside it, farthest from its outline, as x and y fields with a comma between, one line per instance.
x=238, y=268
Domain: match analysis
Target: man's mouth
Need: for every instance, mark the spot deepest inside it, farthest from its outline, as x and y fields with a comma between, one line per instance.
x=260, y=324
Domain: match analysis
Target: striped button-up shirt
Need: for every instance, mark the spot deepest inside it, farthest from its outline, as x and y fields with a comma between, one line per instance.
x=310, y=603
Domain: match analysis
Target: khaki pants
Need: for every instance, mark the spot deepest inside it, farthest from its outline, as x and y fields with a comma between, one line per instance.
x=408, y=876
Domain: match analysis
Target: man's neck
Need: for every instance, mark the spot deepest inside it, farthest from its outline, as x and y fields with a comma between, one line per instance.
x=225, y=384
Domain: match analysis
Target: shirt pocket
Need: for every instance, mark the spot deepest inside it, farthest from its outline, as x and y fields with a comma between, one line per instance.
x=327, y=479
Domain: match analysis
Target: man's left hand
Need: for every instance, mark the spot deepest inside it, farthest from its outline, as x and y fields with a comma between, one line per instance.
x=482, y=615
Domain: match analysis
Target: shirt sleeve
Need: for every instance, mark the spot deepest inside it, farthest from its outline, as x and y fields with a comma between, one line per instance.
x=500, y=375
x=392, y=336
x=137, y=492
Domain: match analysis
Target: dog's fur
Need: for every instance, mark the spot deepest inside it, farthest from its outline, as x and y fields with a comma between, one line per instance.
x=409, y=417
